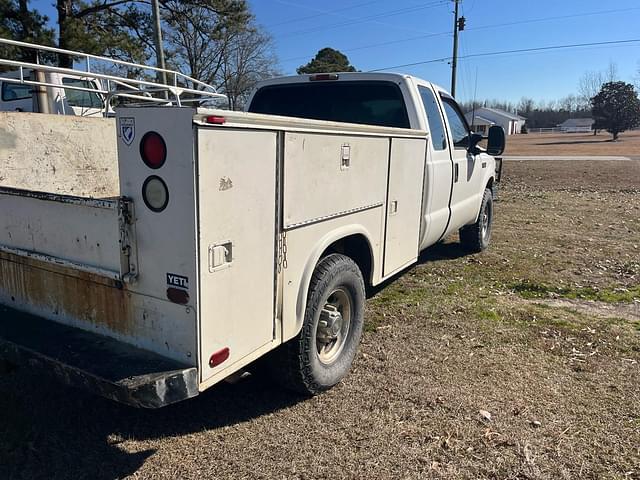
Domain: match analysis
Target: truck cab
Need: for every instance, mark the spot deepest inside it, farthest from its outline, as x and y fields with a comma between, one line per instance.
x=62, y=96
x=457, y=171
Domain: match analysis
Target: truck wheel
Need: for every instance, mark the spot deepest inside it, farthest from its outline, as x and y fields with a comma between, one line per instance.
x=322, y=353
x=475, y=238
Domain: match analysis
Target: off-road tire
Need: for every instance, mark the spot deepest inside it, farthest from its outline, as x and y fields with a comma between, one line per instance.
x=296, y=365
x=475, y=238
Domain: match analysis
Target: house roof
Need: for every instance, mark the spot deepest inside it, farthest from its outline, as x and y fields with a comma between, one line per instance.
x=497, y=111
x=478, y=119
x=577, y=122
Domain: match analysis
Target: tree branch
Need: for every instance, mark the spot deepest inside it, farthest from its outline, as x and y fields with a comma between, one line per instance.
x=104, y=6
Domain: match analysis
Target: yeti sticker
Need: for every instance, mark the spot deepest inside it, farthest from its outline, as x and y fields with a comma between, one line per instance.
x=179, y=281
x=127, y=129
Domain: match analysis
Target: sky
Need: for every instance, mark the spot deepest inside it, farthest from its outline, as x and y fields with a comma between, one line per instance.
x=379, y=34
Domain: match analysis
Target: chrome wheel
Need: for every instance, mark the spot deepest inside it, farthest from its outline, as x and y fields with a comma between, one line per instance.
x=333, y=325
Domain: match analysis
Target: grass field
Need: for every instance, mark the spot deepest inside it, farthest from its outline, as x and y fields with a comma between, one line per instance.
x=574, y=144
x=541, y=332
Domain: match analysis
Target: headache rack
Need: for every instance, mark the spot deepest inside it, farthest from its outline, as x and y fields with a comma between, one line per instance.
x=178, y=89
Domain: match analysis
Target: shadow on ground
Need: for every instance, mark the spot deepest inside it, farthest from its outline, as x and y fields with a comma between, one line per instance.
x=574, y=142
x=51, y=431
x=442, y=251
x=438, y=252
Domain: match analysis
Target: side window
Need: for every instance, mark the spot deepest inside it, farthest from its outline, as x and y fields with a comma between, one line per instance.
x=438, y=136
x=457, y=123
x=15, y=91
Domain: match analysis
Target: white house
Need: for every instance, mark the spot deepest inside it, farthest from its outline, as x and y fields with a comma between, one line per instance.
x=482, y=118
x=577, y=125
x=478, y=123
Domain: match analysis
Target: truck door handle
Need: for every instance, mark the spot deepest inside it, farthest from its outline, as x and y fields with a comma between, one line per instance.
x=456, y=171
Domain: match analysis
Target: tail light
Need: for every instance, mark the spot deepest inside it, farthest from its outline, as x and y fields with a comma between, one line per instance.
x=155, y=193
x=323, y=77
x=215, y=119
x=153, y=150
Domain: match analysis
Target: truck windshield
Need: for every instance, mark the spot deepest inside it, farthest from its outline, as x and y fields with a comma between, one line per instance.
x=81, y=98
x=370, y=103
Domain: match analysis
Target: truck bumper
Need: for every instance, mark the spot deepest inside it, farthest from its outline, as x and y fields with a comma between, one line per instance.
x=99, y=364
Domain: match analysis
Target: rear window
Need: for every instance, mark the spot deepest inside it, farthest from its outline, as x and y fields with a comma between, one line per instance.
x=15, y=91
x=370, y=103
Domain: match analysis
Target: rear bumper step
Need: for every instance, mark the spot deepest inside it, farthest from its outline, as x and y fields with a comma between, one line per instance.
x=93, y=362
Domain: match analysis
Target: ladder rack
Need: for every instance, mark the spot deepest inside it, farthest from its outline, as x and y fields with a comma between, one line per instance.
x=113, y=85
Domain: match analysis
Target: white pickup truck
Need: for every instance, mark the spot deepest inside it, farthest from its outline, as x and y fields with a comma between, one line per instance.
x=234, y=235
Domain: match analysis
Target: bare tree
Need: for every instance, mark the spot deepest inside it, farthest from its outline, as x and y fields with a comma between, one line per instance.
x=591, y=82
x=611, y=72
x=570, y=103
x=249, y=59
x=525, y=105
x=589, y=86
x=231, y=55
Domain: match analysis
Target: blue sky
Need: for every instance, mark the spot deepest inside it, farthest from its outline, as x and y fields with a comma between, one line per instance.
x=372, y=34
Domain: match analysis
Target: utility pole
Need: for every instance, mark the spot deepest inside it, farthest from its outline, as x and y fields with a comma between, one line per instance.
x=454, y=60
x=157, y=37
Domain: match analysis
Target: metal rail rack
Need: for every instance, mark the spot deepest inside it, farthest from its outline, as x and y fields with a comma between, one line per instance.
x=113, y=86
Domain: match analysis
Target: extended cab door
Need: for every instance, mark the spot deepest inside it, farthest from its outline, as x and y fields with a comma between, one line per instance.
x=438, y=173
x=467, y=168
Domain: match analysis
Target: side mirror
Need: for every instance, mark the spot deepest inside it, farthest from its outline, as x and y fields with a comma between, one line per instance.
x=474, y=140
x=496, y=140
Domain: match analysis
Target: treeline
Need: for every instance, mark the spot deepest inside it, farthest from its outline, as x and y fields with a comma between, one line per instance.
x=538, y=114
x=546, y=114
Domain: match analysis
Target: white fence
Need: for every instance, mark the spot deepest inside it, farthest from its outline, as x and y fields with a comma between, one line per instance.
x=561, y=130
x=544, y=130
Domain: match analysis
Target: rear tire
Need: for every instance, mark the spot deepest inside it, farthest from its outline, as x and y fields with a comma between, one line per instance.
x=475, y=238
x=322, y=353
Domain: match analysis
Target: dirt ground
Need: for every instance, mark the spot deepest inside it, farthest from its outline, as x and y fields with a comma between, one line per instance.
x=628, y=144
x=518, y=363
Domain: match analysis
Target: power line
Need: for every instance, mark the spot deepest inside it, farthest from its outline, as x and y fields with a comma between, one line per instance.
x=381, y=44
x=560, y=17
x=366, y=19
x=323, y=12
x=481, y=27
x=503, y=52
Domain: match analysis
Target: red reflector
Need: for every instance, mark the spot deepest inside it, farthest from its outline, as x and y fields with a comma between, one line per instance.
x=215, y=119
x=153, y=150
x=177, y=295
x=218, y=357
x=323, y=76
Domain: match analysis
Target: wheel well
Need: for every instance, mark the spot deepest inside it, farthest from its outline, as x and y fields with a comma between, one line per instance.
x=490, y=184
x=358, y=249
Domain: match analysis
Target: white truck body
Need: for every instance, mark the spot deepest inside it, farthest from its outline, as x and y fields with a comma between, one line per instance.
x=219, y=273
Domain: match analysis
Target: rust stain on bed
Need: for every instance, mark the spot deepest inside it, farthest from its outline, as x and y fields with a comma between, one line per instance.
x=63, y=294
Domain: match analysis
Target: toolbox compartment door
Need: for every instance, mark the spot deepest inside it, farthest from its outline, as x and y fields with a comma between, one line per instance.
x=404, y=203
x=237, y=232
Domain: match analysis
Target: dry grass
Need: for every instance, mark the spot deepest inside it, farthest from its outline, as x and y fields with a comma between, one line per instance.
x=455, y=335
x=573, y=144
